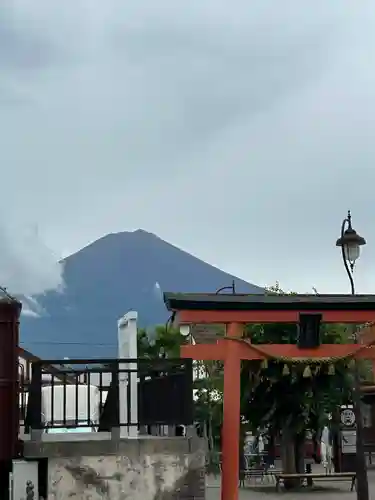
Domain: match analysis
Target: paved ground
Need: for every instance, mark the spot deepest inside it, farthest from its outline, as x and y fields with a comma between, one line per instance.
x=330, y=491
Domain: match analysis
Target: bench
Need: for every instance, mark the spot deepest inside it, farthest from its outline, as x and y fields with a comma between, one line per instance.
x=255, y=472
x=251, y=473
x=335, y=476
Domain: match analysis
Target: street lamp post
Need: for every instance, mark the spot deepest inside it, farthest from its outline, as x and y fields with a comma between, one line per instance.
x=350, y=243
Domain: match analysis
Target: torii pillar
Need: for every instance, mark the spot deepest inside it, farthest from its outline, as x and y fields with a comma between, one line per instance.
x=237, y=310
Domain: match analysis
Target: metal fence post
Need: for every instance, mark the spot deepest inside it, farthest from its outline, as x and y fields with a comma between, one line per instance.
x=33, y=422
x=115, y=416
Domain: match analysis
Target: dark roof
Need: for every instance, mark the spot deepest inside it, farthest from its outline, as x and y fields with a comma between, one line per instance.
x=27, y=355
x=270, y=302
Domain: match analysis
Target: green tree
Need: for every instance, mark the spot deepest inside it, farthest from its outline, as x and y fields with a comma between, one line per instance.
x=288, y=399
x=163, y=341
x=284, y=398
x=208, y=397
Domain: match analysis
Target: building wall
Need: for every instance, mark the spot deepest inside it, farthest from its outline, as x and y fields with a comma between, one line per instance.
x=141, y=469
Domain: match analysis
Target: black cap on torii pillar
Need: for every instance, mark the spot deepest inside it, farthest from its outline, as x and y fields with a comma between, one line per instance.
x=10, y=311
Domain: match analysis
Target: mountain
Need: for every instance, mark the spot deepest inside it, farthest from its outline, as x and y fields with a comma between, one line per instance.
x=118, y=272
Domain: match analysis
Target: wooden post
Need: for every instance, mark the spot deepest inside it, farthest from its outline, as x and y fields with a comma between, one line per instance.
x=10, y=311
x=231, y=416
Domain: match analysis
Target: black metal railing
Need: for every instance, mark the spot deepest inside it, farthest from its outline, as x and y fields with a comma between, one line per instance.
x=100, y=394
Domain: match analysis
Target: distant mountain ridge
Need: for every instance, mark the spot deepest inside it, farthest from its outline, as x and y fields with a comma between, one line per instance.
x=104, y=280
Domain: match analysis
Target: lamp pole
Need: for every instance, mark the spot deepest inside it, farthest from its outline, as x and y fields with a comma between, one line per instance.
x=350, y=243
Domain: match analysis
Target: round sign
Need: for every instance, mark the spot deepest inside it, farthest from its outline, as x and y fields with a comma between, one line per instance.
x=347, y=417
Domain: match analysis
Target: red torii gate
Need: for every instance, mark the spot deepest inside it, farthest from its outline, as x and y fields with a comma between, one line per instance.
x=237, y=310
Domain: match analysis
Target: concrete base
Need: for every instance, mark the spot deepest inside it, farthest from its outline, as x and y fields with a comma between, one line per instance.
x=145, y=468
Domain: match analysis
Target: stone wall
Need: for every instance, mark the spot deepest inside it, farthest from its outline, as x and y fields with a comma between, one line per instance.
x=135, y=469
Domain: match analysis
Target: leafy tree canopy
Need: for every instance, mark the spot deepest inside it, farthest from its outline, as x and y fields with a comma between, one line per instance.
x=208, y=383
x=297, y=395
x=161, y=341
x=272, y=396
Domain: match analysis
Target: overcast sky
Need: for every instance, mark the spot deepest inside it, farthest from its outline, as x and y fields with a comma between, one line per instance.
x=239, y=130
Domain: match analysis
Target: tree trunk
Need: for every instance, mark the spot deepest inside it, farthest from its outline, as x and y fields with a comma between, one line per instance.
x=288, y=456
x=287, y=451
x=300, y=453
x=271, y=448
x=209, y=433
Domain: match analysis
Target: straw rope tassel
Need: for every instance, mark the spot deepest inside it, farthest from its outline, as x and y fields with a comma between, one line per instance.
x=351, y=364
x=286, y=370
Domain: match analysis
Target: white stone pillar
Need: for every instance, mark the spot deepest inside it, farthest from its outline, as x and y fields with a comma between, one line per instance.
x=127, y=349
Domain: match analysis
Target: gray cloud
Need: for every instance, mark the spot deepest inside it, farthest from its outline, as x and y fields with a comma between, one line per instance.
x=27, y=266
x=240, y=131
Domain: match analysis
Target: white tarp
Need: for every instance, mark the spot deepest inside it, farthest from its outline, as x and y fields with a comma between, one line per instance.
x=81, y=402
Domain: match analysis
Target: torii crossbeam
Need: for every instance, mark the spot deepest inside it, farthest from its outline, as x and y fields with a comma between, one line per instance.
x=235, y=311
